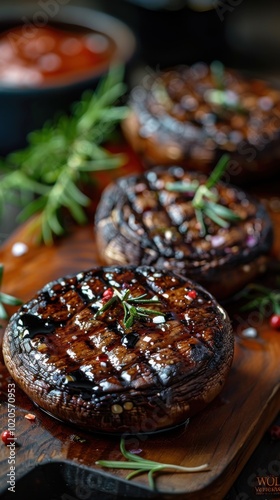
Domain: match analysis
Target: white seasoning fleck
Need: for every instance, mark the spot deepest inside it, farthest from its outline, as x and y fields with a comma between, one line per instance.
x=19, y=249
x=159, y=319
x=71, y=353
x=168, y=235
x=146, y=338
x=250, y=332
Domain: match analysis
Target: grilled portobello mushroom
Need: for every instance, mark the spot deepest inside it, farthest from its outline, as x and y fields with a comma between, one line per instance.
x=90, y=350
x=140, y=220
x=193, y=115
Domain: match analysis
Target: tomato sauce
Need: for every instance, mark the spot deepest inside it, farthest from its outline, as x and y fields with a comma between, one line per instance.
x=50, y=55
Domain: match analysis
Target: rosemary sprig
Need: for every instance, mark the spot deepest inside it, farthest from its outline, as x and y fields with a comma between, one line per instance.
x=140, y=465
x=262, y=298
x=220, y=95
x=205, y=201
x=131, y=306
x=6, y=299
x=50, y=173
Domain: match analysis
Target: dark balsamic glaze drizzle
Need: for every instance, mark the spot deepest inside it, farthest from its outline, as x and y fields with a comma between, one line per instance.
x=83, y=388
x=81, y=291
x=35, y=326
x=116, y=327
x=80, y=384
x=130, y=339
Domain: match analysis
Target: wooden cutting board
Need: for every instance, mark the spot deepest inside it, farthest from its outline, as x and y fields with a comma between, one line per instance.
x=57, y=460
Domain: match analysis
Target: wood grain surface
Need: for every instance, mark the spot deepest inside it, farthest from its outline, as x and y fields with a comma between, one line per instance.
x=58, y=460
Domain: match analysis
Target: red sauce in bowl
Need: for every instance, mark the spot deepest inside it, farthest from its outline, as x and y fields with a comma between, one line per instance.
x=51, y=55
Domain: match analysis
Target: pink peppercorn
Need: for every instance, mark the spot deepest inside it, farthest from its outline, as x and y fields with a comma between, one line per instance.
x=7, y=437
x=275, y=321
x=107, y=295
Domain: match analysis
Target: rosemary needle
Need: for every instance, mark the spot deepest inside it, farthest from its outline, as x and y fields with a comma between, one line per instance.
x=140, y=465
x=205, y=201
x=132, y=306
x=260, y=297
x=48, y=176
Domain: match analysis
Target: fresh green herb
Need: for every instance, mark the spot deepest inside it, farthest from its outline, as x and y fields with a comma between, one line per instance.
x=204, y=200
x=225, y=99
x=49, y=174
x=6, y=299
x=220, y=96
x=140, y=465
x=182, y=187
x=131, y=306
x=262, y=298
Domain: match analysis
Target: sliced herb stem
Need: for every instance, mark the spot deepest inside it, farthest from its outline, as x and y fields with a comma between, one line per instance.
x=182, y=187
x=139, y=465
